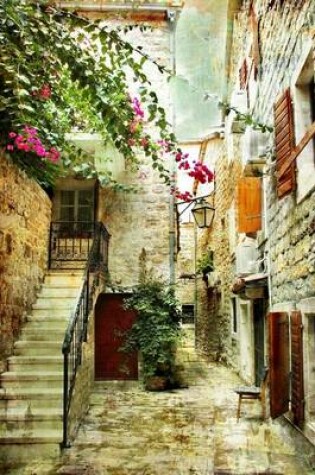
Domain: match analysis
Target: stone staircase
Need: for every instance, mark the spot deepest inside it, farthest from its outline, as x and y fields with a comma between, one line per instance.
x=31, y=392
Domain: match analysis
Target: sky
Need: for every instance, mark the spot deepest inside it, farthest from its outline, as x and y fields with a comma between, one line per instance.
x=200, y=68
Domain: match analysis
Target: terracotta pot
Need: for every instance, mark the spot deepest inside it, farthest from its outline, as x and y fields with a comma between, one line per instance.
x=156, y=383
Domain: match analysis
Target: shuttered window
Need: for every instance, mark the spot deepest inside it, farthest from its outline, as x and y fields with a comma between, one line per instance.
x=249, y=203
x=284, y=135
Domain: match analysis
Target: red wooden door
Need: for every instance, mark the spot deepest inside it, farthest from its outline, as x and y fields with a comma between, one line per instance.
x=111, y=323
x=297, y=396
x=279, y=363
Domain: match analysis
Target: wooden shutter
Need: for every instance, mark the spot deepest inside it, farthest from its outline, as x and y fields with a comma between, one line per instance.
x=243, y=75
x=297, y=391
x=249, y=203
x=284, y=135
x=279, y=363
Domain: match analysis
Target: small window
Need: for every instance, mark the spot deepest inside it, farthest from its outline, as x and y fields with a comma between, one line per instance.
x=304, y=115
x=234, y=317
x=188, y=313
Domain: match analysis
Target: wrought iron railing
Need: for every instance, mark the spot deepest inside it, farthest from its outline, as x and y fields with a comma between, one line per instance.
x=76, y=332
x=70, y=243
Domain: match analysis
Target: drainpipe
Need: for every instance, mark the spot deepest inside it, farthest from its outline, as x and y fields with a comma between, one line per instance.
x=268, y=239
x=172, y=206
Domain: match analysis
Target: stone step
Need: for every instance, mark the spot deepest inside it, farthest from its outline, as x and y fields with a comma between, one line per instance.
x=35, y=363
x=47, y=321
x=37, y=348
x=54, y=303
x=31, y=399
x=51, y=312
x=42, y=419
x=41, y=334
x=59, y=291
x=31, y=437
x=31, y=380
x=64, y=278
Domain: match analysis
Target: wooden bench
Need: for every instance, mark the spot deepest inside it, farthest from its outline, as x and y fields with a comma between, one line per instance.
x=246, y=393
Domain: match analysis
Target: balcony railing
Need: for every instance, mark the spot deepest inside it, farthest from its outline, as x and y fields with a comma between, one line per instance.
x=70, y=243
x=95, y=251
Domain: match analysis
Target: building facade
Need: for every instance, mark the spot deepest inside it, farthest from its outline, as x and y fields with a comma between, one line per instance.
x=263, y=234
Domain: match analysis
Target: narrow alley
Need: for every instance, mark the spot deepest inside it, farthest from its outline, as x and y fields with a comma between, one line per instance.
x=192, y=430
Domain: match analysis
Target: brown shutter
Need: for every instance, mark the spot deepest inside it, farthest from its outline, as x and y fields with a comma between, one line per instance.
x=284, y=135
x=243, y=75
x=249, y=204
x=255, y=54
x=297, y=396
x=279, y=363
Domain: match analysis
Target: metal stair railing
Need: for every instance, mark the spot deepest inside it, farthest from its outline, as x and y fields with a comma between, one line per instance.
x=76, y=333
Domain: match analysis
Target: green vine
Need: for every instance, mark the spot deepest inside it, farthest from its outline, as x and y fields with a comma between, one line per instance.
x=61, y=73
x=246, y=118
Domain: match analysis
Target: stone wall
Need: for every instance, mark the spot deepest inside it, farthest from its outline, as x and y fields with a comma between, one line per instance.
x=290, y=220
x=24, y=231
x=213, y=332
x=139, y=222
x=185, y=264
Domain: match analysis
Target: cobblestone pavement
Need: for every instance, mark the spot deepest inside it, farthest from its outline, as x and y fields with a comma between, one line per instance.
x=189, y=431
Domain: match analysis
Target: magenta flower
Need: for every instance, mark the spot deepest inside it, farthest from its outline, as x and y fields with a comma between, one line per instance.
x=136, y=106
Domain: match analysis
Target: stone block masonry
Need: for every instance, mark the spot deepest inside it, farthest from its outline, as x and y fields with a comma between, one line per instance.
x=139, y=222
x=25, y=211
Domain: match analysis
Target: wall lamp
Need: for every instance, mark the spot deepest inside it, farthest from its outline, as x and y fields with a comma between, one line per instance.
x=202, y=211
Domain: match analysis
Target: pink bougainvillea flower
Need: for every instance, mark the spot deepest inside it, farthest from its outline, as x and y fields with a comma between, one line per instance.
x=144, y=142
x=12, y=135
x=10, y=148
x=131, y=142
x=137, y=109
x=184, y=196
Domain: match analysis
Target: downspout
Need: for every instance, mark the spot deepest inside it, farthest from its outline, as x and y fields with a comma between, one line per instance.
x=268, y=259
x=172, y=205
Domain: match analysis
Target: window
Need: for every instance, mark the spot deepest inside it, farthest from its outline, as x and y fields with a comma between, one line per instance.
x=76, y=205
x=294, y=131
x=188, y=313
x=284, y=135
x=249, y=204
x=304, y=115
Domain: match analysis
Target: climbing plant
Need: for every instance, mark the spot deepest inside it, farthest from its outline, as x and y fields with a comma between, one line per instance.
x=61, y=73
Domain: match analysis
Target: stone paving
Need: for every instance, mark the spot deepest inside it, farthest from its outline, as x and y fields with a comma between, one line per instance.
x=189, y=431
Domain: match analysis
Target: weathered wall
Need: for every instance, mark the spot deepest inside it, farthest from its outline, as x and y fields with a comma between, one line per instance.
x=139, y=222
x=290, y=221
x=213, y=332
x=24, y=230
x=185, y=264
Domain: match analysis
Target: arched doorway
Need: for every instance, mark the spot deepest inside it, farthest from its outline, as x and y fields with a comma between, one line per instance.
x=111, y=323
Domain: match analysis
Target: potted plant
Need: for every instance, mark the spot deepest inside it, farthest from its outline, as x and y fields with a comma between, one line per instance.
x=155, y=333
x=205, y=263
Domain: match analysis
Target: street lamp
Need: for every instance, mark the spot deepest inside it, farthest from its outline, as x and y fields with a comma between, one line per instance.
x=202, y=211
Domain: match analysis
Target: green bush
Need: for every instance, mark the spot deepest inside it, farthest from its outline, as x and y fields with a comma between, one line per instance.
x=156, y=331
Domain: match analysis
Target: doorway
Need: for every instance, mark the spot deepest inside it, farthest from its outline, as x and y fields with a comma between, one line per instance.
x=112, y=321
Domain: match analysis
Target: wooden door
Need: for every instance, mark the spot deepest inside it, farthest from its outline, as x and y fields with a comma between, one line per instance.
x=279, y=363
x=259, y=311
x=297, y=392
x=111, y=323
